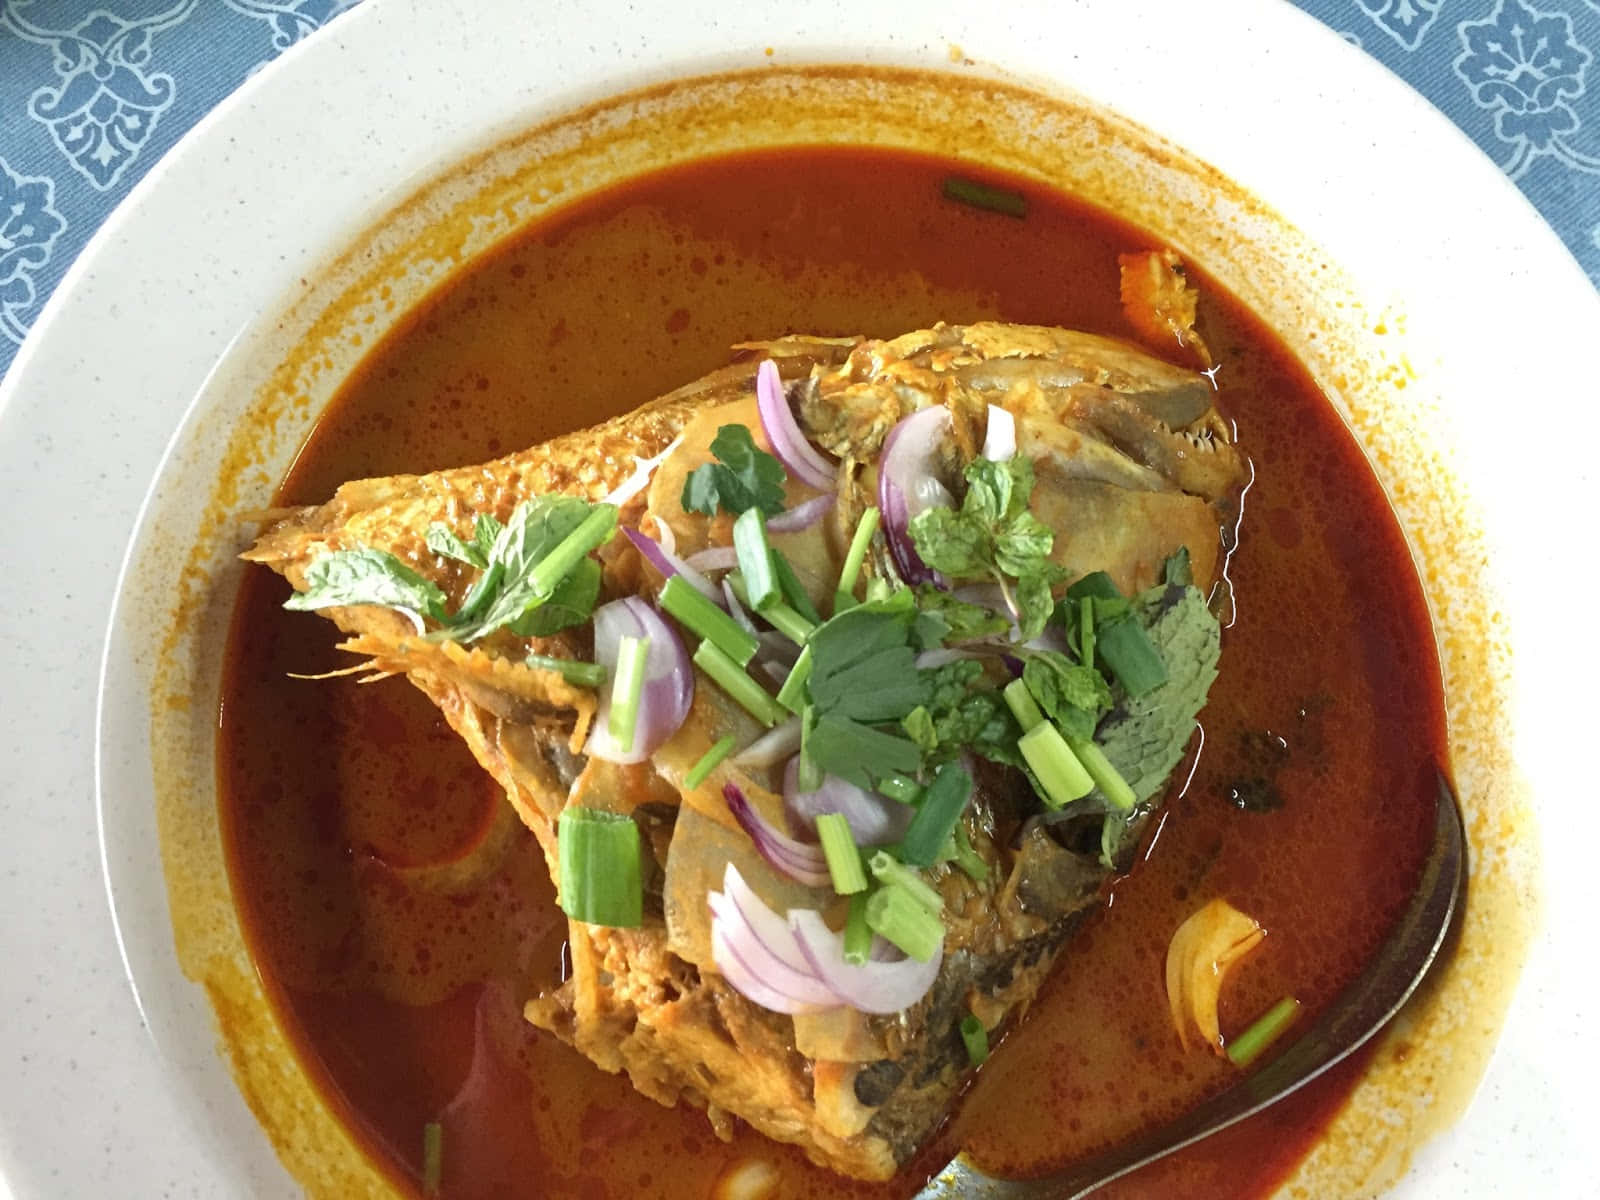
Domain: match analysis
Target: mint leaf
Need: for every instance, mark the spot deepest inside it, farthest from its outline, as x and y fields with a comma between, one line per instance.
x=743, y=477
x=443, y=541
x=943, y=619
x=953, y=543
x=572, y=603
x=1071, y=695
x=368, y=576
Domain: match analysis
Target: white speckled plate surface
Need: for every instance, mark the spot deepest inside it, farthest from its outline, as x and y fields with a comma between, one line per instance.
x=268, y=187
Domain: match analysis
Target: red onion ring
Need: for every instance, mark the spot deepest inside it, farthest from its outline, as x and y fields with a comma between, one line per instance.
x=1000, y=437
x=878, y=986
x=797, y=860
x=743, y=977
x=799, y=986
x=874, y=820
x=907, y=485
x=730, y=601
x=717, y=558
x=789, y=444
x=802, y=516
x=771, y=747
x=668, y=679
x=669, y=564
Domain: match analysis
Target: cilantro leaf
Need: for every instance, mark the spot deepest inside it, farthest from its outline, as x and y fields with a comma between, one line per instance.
x=744, y=477
x=368, y=576
x=859, y=752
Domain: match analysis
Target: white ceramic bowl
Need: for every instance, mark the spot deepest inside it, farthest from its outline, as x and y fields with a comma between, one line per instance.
x=157, y=339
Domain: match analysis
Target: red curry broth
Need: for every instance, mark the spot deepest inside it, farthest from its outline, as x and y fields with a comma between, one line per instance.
x=1326, y=720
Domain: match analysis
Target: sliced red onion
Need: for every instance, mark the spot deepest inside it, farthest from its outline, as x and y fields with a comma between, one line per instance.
x=789, y=444
x=874, y=820
x=798, y=985
x=878, y=986
x=772, y=929
x=907, y=485
x=730, y=956
x=668, y=679
x=730, y=601
x=772, y=747
x=797, y=860
x=1000, y=438
x=717, y=558
x=669, y=564
x=802, y=516
x=639, y=479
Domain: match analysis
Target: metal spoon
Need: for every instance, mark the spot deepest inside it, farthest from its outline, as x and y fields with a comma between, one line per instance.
x=1360, y=1011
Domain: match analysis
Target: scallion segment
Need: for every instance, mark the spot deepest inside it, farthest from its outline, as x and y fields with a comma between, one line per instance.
x=1022, y=705
x=598, y=853
x=1096, y=585
x=755, y=559
x=1058, y=770
x=792, y=695
x=793, y=594
x=900, y=788
x=810, y=774
x=583, y=674
x=432, y=1157
x=1086, y=630
x=708, y=762
x=1268, y=1028
x=592, y=533
x=844, y=858
x=731, y=678
x=967, y=858
x=681, y=599
x=626, y=688
x=857, y=933
x=896, y=915
x=891, y=872
x=845, y=596
x=982, y=195
x=976, y=1039
x=776, y=613
x=1130, y=656
x=943, y=802
x=1106, y=777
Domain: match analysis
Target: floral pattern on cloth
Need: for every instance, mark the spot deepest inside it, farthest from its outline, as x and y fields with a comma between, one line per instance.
x=93, y=92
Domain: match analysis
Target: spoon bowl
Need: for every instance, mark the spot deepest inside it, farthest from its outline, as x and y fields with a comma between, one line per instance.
x=1360, y=1011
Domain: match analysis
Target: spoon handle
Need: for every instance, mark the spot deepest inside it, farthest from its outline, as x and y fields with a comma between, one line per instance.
x=1358, y=1013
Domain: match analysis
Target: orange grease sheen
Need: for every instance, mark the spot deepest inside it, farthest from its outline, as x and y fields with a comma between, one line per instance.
x=406, y=1005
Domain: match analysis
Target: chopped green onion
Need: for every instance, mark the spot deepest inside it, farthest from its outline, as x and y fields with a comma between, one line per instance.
x=708, y=762
x=626, y=688
x=1268, y=1028
x=810, y=774
x=1096, y=585
x=976, y=1038
x=584, y=674
x=432, y=1157
x=900, y=917
x=879, y=589
x=1022, y=705
x=700, y=616
x=755, y=559
x=1086, y=630
x=730, y=676
x=1129, y=654
x=942, y=805
x=592, y=532
x=982, y=195
x=1058, y=770
x=599, y=860
x=839, y=848
x=792, y=695
x=967, y=858
x=845, y=596
x=1099, y=767
x=898, y=787
x=857, y=933
x=796, y=596
x=776, y=613
x=891, y=872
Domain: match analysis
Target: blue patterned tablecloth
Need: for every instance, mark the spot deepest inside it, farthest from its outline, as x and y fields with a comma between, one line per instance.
x=93, y=92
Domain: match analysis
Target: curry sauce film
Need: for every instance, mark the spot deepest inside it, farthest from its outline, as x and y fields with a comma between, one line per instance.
x=399, y=921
